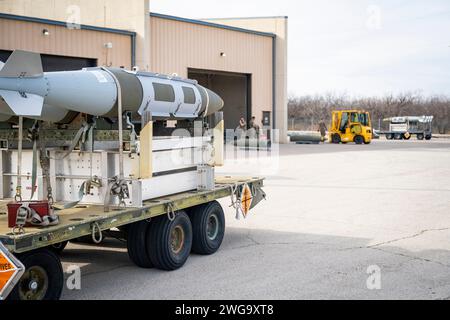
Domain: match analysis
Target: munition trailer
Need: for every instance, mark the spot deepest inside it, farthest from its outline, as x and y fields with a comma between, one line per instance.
x=165, y=206
x=141, y=227
x=403, y=128
x=107, y=152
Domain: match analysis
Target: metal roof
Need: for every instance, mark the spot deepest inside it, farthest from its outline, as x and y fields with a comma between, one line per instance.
x=210, y=24
x=65, y=24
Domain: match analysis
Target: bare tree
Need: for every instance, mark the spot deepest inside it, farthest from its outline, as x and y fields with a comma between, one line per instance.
x=319, y=107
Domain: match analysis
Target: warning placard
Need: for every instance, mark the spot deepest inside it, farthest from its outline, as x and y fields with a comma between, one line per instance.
x=246, y=199
x=10, y=271
x=5, y=264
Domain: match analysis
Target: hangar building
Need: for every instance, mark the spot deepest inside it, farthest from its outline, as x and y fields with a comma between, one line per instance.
x=243, y=59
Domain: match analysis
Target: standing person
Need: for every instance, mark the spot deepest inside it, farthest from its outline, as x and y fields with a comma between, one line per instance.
x=242, y=124
x=254, y=126
x=252, y=122
x=242, y=128
x=322, y=129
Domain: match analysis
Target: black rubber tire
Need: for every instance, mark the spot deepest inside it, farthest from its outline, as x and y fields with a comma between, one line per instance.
x=49, y=261
x=428, y=137
x=200, y=217
x=58, y=248
x=389, y=136
x=358, y=139
x=124, y=229
x=420, y=136
x=159, y=241
x=398, y=136
x=335, y=138
x=137, y=244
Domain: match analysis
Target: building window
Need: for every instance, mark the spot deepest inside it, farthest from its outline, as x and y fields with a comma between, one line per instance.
x=164, y=92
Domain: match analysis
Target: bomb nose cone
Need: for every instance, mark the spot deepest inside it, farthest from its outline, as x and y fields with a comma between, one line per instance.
x=215, y=102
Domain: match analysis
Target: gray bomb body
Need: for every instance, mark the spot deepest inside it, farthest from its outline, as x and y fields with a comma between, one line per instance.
x=55, y=96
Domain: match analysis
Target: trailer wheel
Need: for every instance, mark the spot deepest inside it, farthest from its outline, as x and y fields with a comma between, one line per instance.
x=389, y=136
x=58, y=248
x=137, y=244
x=420, y=136
x=43, y=278
x=169, y=242
x=428, y=137
x=335, y=138
x=208, y=225
x=397, y=136
x=359, y=139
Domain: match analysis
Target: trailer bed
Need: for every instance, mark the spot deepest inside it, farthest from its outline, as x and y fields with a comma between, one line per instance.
x=79, y=220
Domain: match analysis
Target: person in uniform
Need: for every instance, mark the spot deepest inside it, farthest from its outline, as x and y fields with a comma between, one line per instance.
x=322, y=129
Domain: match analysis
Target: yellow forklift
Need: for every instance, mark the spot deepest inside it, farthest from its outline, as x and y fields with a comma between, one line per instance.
x=350, y=126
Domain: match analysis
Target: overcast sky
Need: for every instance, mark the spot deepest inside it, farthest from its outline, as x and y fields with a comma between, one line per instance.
x=357, y=47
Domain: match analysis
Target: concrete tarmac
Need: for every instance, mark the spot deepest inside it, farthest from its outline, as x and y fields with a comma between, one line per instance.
x=340, y=222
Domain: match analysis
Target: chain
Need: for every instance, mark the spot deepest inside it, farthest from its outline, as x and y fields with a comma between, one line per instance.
x=235, y=200
x=18, y=195
x=45, y=165
x=50, y=198
x=33, y=136
x=170, y=211
x=118, y=188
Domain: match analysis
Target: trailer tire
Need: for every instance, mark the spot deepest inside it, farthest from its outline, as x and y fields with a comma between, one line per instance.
x=170, y=242
x=58, y=248
x=397, y=136
x=137, y=244
x=43, y=271
x=428, y=137
x=420, y=136
x=358, y=139
x=389, y=136
x=208, y=225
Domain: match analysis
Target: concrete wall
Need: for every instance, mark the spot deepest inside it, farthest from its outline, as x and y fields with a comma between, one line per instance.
x=129, y=15
x=278, y=26
x=65, y=42
x=177, y=46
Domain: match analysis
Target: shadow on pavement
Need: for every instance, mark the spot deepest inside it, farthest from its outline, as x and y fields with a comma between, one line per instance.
x=266, y=264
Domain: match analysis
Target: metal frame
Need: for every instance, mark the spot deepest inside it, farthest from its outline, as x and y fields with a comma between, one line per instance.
x=79, y=221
